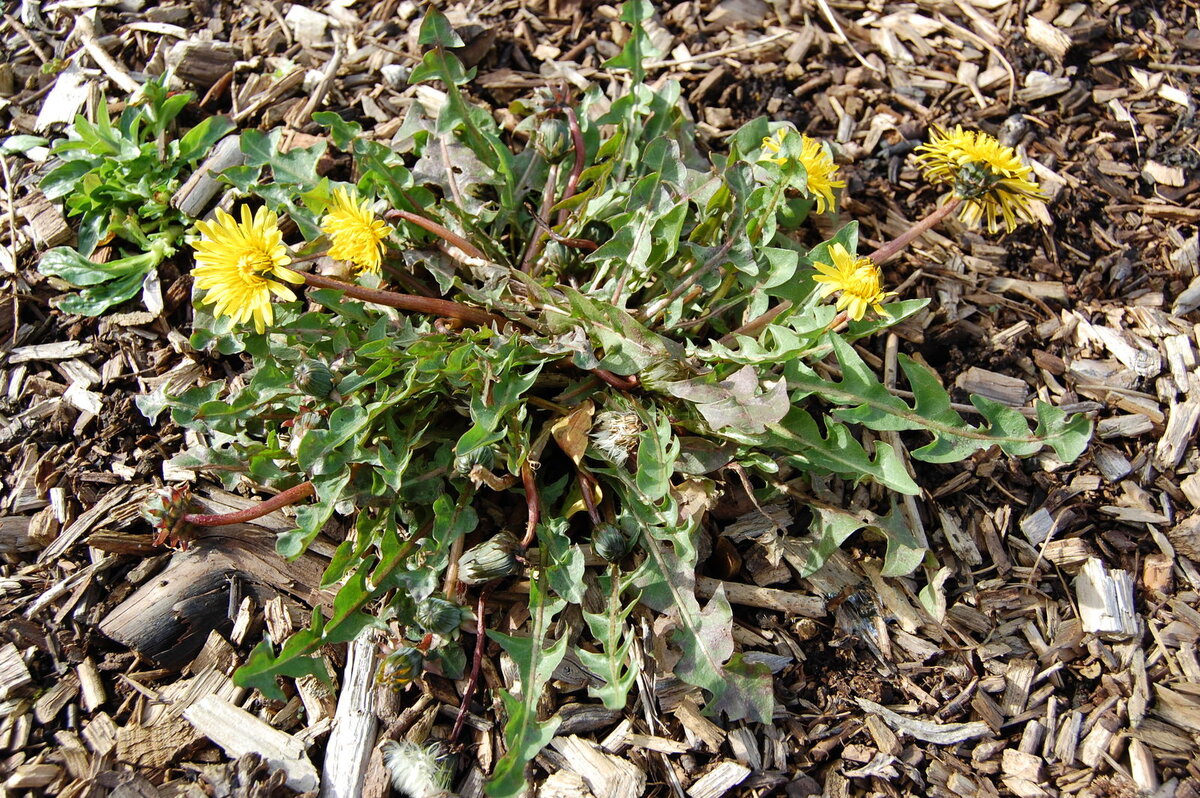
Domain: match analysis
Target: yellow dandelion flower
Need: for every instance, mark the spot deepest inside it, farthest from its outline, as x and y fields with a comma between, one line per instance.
x=818, y=166
x=236, y=261
x=991, y=179
x=858, y=279
x=773, y=144
x=356, y=234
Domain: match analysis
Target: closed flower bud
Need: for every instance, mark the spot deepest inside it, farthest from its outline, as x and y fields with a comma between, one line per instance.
x=484, y=456
x=315, y=379
x=609, y=542
x=400, y=668
x=662, y=373
x=553, y=140
x=165, y=509
x=490, y=560
x=439, y=616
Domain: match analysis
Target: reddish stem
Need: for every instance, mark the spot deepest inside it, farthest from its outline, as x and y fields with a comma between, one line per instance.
x=577, y=168
x=532, y=504
x=416, y=304
x=476, y=661
x=289, y=496
x=911, y=234
x=438, y=230
x=620, y=383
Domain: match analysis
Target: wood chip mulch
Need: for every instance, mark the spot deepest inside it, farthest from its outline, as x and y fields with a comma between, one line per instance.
x=1060, y=653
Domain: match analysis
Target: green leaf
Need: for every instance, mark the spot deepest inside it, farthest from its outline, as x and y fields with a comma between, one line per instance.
x=77, y=270
x=836, y=451
x=294, y=660
x=96, y=299
x=21, y=143
x=436, y=30
x=628, y=345
x=524, y=734
x=297, y=166
x=904, y=552
x=829, y=529
x=866, y=401
x=614, y=665
x=196, y=143
x=63, y=179
x=657, y=450
x=564, y=560
x=343, y=133
x=705, y=638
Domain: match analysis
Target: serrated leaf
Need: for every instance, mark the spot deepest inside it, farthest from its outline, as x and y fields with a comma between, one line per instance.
x=836, y=452
x=657, y=450
x=705, y=638
x=524, y=734
x=628, y=345
x=264, y=666
x=613, y=664
x=864, y=400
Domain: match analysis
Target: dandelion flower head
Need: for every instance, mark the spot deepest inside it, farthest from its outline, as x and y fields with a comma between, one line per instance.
x=858, y=279
x=991, y=178
x=356, y=234
x=236, y=261
x=817, y=162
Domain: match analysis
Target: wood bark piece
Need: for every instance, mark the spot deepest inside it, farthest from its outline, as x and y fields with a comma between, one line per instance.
x=1185, y=537
x=354, y=723
x=718, y=781
x=605, y=774
x=1106, y=601
x=14, y=674
x=763, y=597
x=169, y=618
x=1181, y=428
x=198, y=192
x=155, y=746
x=238, y=733
x=202, y=63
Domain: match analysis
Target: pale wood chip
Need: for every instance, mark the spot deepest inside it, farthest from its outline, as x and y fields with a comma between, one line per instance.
x=237, y=732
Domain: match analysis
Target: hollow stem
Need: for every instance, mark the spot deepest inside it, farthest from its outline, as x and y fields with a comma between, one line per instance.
x=901, y=241
x=442, y=232
x=533, y=505
x=577, y=167
x=289, y=496
x=415, y=304
x=476, y=661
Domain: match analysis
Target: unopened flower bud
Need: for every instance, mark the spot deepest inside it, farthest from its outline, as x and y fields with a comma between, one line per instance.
x=662, y=373
x=553, y=140
x=609, y=542
x=315, y=379
x=438, y=616
x=490, y=560
x=400, y=668
x=164, y=509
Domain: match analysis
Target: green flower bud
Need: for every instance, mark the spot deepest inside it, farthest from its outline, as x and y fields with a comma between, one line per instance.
x=315, y=379
x=439, y=616
x=609, y=542
x=400, y=668
x=490, y=560
x=553, y=140
x=657, y=376
x=484, y=456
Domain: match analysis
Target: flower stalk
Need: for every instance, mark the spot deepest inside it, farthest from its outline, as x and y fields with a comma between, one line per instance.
x=407, y=302
x=290, y=496
x=897, y=244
